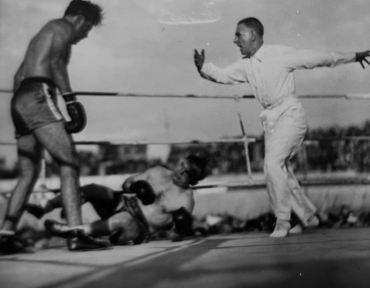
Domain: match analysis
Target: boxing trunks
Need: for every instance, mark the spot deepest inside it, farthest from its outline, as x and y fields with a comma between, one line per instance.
x=34, y=105
x=131, y=206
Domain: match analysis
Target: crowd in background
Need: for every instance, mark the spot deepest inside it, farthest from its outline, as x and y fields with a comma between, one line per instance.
x=325, y=149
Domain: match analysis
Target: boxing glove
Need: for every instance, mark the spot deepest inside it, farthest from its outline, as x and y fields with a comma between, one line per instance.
x=183, y=223
x=77, y=113
x=144, y=191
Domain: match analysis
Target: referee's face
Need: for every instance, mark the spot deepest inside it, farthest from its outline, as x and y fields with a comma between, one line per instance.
x=244, y=38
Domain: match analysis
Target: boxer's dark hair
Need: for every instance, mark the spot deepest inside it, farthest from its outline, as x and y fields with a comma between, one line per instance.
x=92, y=12
x=201, y=160
x=253, y=23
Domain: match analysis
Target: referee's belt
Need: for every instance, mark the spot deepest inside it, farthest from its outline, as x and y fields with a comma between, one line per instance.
x=280, y=101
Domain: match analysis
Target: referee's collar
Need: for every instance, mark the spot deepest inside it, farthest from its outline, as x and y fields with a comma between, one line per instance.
x=259, y=53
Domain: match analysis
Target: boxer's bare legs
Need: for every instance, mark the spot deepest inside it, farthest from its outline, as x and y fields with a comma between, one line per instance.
x=104, y=200
x=29, y=159
x=59, y=144
x=122, y=222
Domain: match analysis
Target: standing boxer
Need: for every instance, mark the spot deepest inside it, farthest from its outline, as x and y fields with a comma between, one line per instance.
x=39, y=123
x=269, y=70
x=159, y=197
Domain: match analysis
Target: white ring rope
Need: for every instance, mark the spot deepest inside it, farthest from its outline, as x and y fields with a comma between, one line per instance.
x=250, y=183
x=348, y=96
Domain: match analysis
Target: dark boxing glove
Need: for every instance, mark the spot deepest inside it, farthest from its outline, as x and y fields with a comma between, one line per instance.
x=77, y=113
x=183, y=222
x=143, y=191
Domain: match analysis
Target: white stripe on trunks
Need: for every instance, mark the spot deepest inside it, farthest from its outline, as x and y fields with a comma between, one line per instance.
x=50, y=102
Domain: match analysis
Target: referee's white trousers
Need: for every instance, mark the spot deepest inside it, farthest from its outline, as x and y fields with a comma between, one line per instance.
x=285, y=127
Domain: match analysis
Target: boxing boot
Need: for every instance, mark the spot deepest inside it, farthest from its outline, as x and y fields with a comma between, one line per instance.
x=60, y=229
x=77, y=240
x=85, y=242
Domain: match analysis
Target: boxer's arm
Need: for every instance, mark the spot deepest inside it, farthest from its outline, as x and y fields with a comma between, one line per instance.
x=59, y=53
x=152, y=173
x=128, y=182
x=59, y=56
x=143, y=191
x=182, y=218
x=183, y=223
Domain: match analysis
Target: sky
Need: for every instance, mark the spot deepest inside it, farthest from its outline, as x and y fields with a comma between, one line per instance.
x=146, y=47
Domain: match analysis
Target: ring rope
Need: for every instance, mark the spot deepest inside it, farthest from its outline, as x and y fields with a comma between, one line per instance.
x=348, y=96
x=250, y=183
x=137, y=142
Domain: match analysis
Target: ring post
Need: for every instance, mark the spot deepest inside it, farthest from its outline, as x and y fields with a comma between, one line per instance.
x=245, y=137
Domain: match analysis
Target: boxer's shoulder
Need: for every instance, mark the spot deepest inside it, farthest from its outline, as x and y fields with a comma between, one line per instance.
x=58, y=27
x=158, y=173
